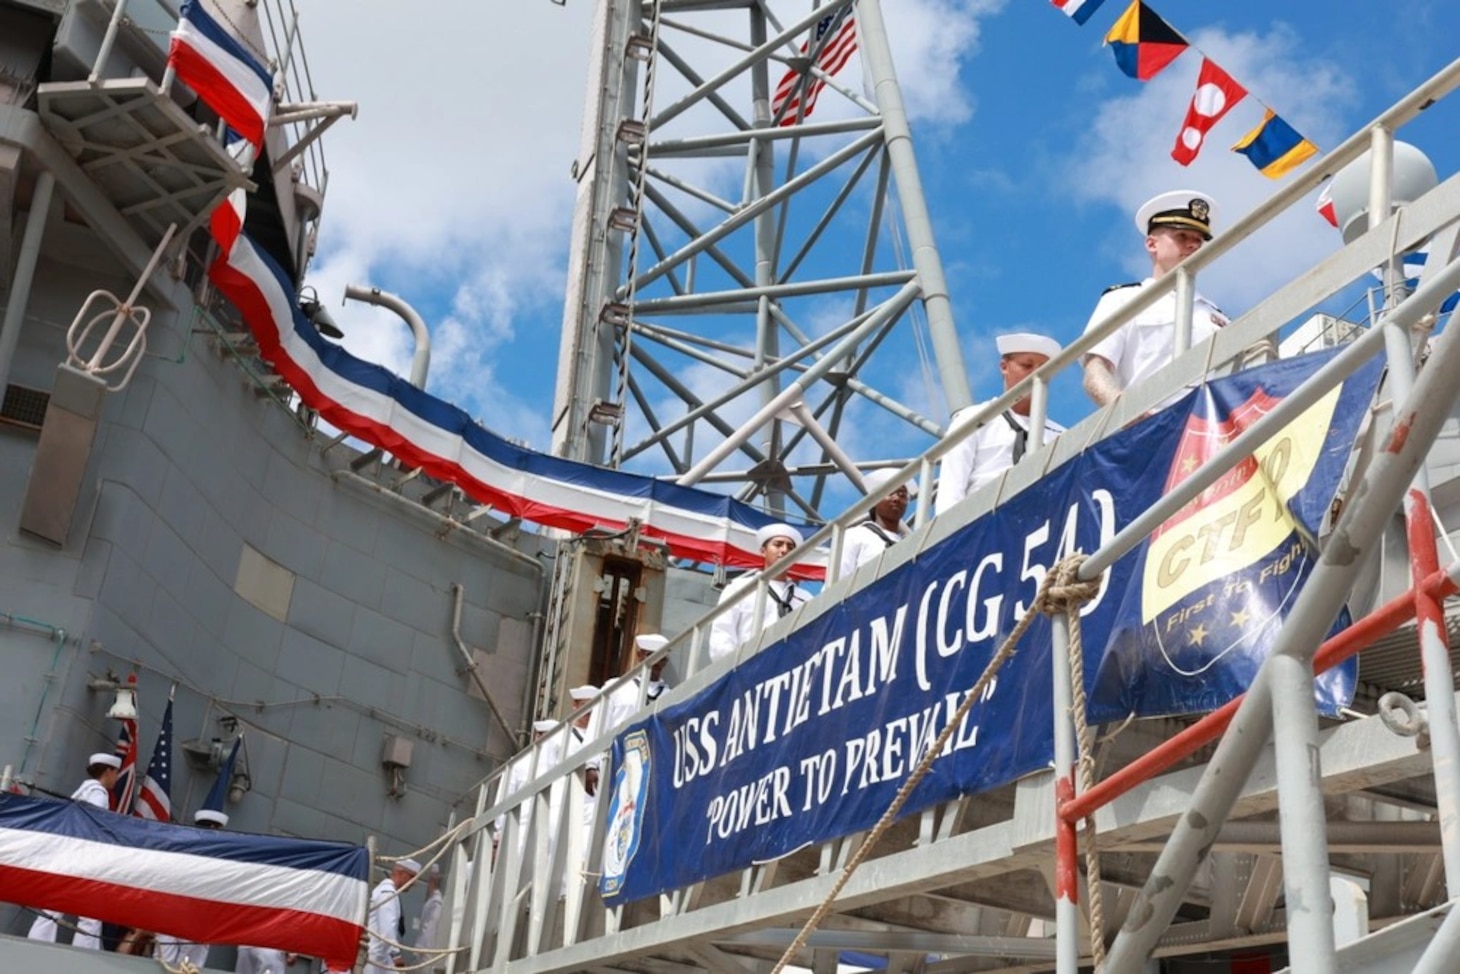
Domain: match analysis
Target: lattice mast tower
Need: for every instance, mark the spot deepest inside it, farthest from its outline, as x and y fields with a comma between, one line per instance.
x=745, y=281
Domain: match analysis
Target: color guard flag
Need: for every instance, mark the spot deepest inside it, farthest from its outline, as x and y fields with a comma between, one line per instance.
x=1215, y=95
x=1274, y=147
x=1078, y=10
x=834, y=41
x=154, y=799
x=224, y=73
x=125, y=788
x=1143, y=43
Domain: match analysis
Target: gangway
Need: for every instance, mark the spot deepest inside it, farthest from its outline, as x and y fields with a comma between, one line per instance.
x=1317, y=832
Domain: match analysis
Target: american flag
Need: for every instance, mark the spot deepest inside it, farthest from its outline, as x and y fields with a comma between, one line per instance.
x=833, y=42
x=123, y=790
x=154, y=800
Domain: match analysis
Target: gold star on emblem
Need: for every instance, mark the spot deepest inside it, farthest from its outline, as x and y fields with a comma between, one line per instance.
x=1240, y=618
x=1188, y=464
x=1197, y=634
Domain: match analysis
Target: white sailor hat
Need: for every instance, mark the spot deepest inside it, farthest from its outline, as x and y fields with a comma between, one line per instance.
x=1017, y=342
x=586, y=692
x=102, y=757
x=409, y=865
x=650, y=642
x=877, y=479
x=1188, y=208
x=544, y=726
x=765, y=534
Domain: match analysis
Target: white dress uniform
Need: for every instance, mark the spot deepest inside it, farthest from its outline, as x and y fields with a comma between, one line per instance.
x=1147, y=344
x=260, y=960
x=984, y=456
x=865, y=541
x=383, y=921
x=88, y=931
x=739, y=625
x=623, y=702
x=520, y=773
x=430, y=918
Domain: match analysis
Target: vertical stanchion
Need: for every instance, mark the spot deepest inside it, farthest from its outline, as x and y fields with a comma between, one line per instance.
x=1430, y=624
x=1066, y=871
x=1304, y=826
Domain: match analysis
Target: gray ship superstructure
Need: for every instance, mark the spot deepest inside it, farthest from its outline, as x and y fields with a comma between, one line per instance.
x=177, y=518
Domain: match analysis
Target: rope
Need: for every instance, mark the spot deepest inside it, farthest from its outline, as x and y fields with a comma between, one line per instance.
x=1066, y=595
x=624, y=346
x=1041, y=604
x=184, y=967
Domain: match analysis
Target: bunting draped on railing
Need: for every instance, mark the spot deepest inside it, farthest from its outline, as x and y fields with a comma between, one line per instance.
x=1144, y=44
x=299, y=895
x=383, y=409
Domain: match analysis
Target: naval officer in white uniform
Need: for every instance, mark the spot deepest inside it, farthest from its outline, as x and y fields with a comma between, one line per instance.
x=739, y=625
x=1003, y=440
x=1176, y=225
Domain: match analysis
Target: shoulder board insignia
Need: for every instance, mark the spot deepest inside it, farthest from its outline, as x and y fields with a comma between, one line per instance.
x=1117, y=287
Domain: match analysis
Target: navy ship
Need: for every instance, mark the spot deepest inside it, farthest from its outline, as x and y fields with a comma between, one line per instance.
x=208, y=504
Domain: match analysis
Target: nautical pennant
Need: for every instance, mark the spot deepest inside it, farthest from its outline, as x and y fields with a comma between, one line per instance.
x=1216, y=93
x=1143, y=43
x=1274, y=147
x=1078, y=10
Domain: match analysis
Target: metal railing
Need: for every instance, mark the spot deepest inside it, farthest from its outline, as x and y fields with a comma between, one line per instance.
x=548, y=885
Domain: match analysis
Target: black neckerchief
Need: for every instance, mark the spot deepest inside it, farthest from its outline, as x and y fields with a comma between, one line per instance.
x=784, y=605
x=1021, y=435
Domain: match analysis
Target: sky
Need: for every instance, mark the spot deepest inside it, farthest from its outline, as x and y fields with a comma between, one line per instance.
x=453, y=190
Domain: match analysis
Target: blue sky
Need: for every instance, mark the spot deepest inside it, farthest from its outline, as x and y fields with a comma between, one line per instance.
x=452, y=187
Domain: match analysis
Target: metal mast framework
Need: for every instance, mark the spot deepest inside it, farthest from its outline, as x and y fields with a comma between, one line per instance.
x=736, y=294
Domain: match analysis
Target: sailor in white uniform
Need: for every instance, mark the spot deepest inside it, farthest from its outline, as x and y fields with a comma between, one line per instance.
x=384, y=919
x=1003, y=440
x=102, y=770
x=783, y=597
x=522, y=770
x=1175, y=225
x=430, y=915
x=623, y=702
x=883, y=527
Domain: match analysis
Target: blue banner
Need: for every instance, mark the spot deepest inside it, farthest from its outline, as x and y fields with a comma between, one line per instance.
x=812, y=737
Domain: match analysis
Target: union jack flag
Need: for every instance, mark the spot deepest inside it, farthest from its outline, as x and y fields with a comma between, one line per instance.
x=830, y=47
x=126, y=749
